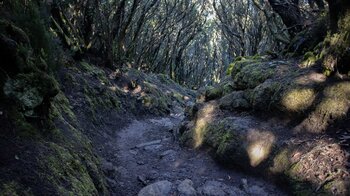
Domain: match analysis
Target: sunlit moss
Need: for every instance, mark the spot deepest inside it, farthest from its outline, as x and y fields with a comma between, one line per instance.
x=309, y=60
x=297, y=100
x=334, y=105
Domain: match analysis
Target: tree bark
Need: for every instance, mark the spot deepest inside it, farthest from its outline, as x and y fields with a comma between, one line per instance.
x=290, y=14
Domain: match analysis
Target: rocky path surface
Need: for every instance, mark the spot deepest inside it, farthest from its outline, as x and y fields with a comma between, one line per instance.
x=149, y=161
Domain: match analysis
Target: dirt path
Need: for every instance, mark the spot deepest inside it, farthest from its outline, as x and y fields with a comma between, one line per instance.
x=146, y=152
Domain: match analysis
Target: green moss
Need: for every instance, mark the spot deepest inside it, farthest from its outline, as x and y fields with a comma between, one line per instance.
x=67, y=172
x=155, y=100
x=22, y=126
x=335, y=46
x=327, y=72
x=62, y=106
x=309, y=59
x=240, y=62
x=9, y=189
x=299, y=184
x=94, y=71
x=227, y=88
x=250, y=74
x=266, y=96
x=13, y=189
x=178, y=96
x=30, y=90
x=224, y=141
x=281, y=162
x=100, y=98
x=338, y=184
x=298, y=99
x=213, y=93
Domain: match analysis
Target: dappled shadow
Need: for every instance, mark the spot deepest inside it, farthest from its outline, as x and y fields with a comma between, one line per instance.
x=333, y=104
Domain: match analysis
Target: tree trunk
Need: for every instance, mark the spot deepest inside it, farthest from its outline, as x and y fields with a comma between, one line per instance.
x=290, y=14
x=336, y=46
x=337, y=10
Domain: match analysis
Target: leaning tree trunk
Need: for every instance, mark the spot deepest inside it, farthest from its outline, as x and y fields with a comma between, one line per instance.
x=290, y=14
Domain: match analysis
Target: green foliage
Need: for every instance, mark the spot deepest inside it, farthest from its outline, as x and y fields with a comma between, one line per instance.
x=35, y=30
x=309, y=59
x=68, y=173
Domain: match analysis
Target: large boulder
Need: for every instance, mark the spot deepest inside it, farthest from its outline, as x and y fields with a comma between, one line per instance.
x=235, y=101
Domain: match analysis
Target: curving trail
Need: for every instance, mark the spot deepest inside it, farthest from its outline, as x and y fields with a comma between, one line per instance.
x=147, y=152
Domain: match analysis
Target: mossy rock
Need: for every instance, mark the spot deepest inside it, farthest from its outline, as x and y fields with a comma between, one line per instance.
x=61, y=107
x=30, y=90
x=235, y=101
x=213, y=93
x=240, y=62
x=249, y=75
x=233, y=139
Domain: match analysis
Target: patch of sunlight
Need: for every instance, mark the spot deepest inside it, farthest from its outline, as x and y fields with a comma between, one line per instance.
x=339, y=90
x=328, y=110
x=137, y=90
x=126, y=89
x=298, y=99
x=335, y=108
x=113, y=88
x=260, y=146
x=205, y=116
x=335, y=105
x=310, y=78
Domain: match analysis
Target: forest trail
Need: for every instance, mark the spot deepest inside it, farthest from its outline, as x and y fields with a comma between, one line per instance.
x=147, y=153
